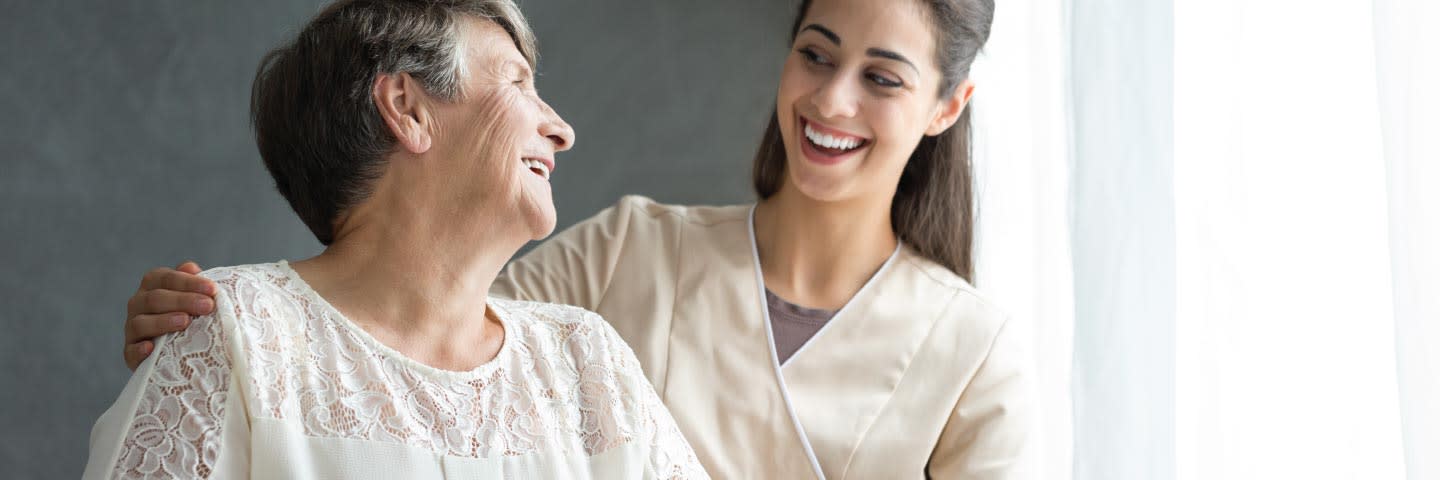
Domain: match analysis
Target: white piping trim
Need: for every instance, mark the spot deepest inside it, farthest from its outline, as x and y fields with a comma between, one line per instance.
x=774, y=357
x=884, y=266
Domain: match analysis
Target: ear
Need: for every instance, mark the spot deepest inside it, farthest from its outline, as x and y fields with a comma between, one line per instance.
x=950, y=108
x=400, y=100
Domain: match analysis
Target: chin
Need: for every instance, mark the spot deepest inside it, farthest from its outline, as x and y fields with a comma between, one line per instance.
x=536, y=211
x=541, y=220
x=542, y=228
x=825, y=185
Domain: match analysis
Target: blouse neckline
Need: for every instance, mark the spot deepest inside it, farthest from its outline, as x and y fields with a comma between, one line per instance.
x=303, y=288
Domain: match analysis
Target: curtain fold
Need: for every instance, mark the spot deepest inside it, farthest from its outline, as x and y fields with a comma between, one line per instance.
x=1123, y=226
x=1407, y=67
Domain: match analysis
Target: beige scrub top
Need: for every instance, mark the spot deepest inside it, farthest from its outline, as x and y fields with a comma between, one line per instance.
x=917, y=376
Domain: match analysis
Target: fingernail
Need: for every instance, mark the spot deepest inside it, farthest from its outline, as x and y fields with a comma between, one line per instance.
x=177, y=320
x=146, y=348
x=202, y=305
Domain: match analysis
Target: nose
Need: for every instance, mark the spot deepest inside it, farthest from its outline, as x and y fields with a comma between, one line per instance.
x=835, y=98
x=556, y=130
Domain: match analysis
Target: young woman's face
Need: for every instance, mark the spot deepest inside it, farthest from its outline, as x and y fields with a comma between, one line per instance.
x=859, y=90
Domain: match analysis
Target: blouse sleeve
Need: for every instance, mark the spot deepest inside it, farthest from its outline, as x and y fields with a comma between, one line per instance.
x=987, y=433
x=573, y=267
x=168, y=421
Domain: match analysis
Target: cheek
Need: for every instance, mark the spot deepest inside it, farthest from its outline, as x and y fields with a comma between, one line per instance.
x=497, y=132
x=797, y=83
x=897, y=133
x=792, y=77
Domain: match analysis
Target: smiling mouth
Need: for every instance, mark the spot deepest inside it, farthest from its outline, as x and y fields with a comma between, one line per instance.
x=537, y=167
x=831, y=142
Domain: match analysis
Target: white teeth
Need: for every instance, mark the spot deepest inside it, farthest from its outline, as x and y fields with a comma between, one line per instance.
x=538, y=166
x=828, y=141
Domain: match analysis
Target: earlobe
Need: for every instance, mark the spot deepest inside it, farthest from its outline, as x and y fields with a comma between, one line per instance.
x=399, y=103
x=950, y=108
x=421, y=141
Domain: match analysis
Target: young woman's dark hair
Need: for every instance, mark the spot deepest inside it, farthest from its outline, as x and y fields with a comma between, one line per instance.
x=934, y=206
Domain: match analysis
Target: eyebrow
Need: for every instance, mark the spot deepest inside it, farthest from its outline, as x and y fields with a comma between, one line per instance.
x=823, y=31
x=516, y=66
x=882, y=53
x=873, y=52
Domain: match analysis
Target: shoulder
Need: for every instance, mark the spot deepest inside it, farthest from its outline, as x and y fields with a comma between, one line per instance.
x=541, y=315
x=643, y=209
x=237, y=289
x=257, y=296
x=578, y=336
x=968, y=309
x=972, y=332
x=593, y=366
x=239, y=277
x=241, y=287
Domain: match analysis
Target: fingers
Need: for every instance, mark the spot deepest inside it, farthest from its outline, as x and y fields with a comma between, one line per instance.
x=147, y=327
x=185, y=279
x=153, y=302
x=154, y=278
x=136, y=353
x=164, y=303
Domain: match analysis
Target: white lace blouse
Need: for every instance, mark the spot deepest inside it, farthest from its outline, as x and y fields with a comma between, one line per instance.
x=278, y=384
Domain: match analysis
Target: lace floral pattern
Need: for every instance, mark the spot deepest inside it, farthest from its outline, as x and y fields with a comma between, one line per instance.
x=563, y=376
x=178, y=419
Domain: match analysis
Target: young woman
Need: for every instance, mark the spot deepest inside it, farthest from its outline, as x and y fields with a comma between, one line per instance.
x=829, y=330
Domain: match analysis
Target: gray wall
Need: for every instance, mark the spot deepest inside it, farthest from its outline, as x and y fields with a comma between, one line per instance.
x=125, y=146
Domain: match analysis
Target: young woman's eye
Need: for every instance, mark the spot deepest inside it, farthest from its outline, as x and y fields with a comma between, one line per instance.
x=814, y=58
x=884, y=81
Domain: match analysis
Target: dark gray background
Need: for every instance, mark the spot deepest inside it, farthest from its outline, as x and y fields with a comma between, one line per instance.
x=123, y=127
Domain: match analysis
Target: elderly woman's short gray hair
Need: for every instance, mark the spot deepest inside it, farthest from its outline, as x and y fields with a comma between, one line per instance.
x=318, y=130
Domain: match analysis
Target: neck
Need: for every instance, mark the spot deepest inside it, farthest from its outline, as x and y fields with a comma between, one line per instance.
x=819, y=254
x=417, y=283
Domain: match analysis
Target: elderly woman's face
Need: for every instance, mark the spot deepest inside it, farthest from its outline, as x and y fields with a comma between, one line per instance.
x=499, y=139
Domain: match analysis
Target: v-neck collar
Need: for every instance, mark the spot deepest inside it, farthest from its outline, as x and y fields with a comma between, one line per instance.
x=770, y=332
x=760, y=278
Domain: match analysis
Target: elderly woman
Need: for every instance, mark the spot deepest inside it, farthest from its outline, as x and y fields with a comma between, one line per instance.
x=404, y=134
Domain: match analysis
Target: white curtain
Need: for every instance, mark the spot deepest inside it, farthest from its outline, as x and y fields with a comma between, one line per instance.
x=1286, y=338
x=1021, y=151
x=1220, y=220
x=1124, y=242
x=1407, y=51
